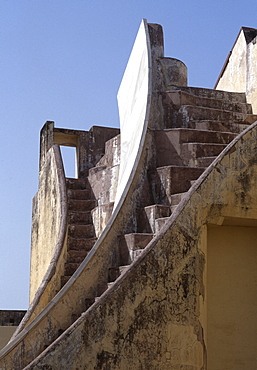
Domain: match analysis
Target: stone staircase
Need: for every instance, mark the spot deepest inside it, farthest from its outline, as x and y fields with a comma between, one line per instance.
x=198, y=124
x=80, y=233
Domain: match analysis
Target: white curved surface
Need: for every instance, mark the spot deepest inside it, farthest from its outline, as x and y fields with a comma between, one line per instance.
x=133, y=100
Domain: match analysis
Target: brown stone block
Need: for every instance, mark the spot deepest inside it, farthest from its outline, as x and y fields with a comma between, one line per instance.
x=79, y=217
x=76, y=256
x=81, y=231
x=170, y=180
x=70, y=268
x=81, y=205
x=77, y=184
x=212, y=94
x=129, y=243
x=81, y=244
x=78, y=194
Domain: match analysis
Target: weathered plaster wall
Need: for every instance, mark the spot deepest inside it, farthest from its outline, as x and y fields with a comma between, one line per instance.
x=5, y=334
x=70, y=301
x=46, y=220
x=103, y=180
x=156, y=315
x=231, y=297
x=239, y=73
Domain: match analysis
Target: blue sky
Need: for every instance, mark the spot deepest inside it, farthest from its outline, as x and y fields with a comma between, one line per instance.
x=63, y=61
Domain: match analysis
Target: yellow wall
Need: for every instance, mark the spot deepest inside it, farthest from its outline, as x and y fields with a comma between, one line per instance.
x=231, y=297
x=46, y=221
x=5, y=334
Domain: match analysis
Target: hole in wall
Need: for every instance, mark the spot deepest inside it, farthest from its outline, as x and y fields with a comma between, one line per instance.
x=69, y=161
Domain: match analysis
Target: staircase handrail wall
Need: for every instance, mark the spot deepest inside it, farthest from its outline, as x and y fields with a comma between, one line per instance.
x=51, y=279
x=56, y=315
x=191, y=217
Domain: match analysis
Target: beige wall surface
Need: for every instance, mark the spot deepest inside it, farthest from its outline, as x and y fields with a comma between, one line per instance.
x=157, y=315
x=231, y=297
x=5, y=334
x=45, y=222
x=240, y=73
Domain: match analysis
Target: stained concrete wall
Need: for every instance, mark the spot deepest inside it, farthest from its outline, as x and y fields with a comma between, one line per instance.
x=46, y=220
x=94, y=270
x=239, y=73
x=158, y=315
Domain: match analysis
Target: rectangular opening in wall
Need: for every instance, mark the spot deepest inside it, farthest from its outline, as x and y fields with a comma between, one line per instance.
x=69, y=161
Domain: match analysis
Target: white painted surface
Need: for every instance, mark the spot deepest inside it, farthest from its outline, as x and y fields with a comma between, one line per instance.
x=133, y=102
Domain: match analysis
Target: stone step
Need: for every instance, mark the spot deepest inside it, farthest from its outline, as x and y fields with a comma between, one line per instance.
x=173, y=145
x=169, y=180
x=196, y=150
x=179, y=98
x=123, y=269
x=79, y=194
x=77, y=184
x=81, y=205
x=130, y=243
x=76, y=256
x=115, y=272
x=81, y=231
x=134, y=254
x=79, y=217
x=80, y=244
x=188, y=135
x=218, y=126
x=159, y=223
x=175, y=199
x=173, y=208
x=234, y=97
x=204, y=161
x=112, y=153
x=94, y=170
x=70, y=268
x=64, y=280
x=156, y=211
x=186, y=113
x=103, y=183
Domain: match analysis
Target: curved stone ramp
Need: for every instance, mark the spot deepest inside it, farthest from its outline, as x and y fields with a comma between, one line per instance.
x=86, y=281
x=46, y=289
x=153, y=316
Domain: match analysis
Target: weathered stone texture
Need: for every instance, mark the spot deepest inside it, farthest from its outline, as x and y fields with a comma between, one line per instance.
x=154, y=316
x=141, y=271
x=239, y=71
x=46, y=220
